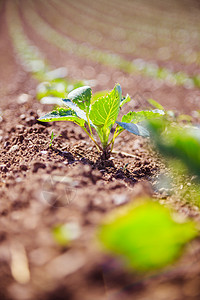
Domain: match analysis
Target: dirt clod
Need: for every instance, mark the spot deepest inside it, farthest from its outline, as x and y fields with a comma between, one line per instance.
x=37, y=166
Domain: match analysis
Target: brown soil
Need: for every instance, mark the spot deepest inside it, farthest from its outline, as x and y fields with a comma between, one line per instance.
x=42, y=186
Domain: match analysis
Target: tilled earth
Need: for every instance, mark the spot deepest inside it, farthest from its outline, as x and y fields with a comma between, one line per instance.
x=68, y=183
x=42, y=187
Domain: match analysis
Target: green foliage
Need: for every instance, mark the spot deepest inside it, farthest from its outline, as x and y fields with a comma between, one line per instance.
x=145, y=235
x=196, y=81
x=101, y=114
x=55, y=88
x=104, y=112
x=81, y=97
x=125, y=100
x=63, y=114
x=176, y=142
x=140, y=116
x=131, y=119
x=133, y=128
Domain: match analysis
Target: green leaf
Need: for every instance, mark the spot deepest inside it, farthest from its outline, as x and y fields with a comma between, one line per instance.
x=125, y=100
x=62, y=114
x=140, y=116
x=104, y=111
x=118, y=90
x=155, y=104
x=52, y=136
x=56, y=88
x=136, y=129
x=145, y=236
x=81, y=97
x=80, y=113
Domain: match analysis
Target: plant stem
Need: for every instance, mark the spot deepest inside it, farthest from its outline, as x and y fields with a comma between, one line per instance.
x=91, y=134
x=92, y=138
x=88, y=120
x=114, y=137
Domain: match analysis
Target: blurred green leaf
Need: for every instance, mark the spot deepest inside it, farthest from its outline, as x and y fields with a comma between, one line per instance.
x=145, y=235
x=55, y=88
x=176, y=142
x=61, y=235
x=155, y=104
x=196, y=80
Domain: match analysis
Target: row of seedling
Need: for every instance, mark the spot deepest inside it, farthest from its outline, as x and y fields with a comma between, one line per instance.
x=61, y=41
x=53, y=82
x=166, y=33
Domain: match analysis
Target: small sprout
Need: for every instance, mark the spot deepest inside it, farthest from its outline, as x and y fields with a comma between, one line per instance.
x=100, y=114
x=53, y=136
x=124, y=168
x=126, y=165
x=145, y=235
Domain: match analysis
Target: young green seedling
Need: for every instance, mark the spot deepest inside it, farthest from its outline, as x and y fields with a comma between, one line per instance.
x=53, y=136
x=124, y=168
x=100, y=115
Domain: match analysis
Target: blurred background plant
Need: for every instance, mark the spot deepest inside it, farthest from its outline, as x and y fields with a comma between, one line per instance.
x=145, y=235
x=179, y=144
